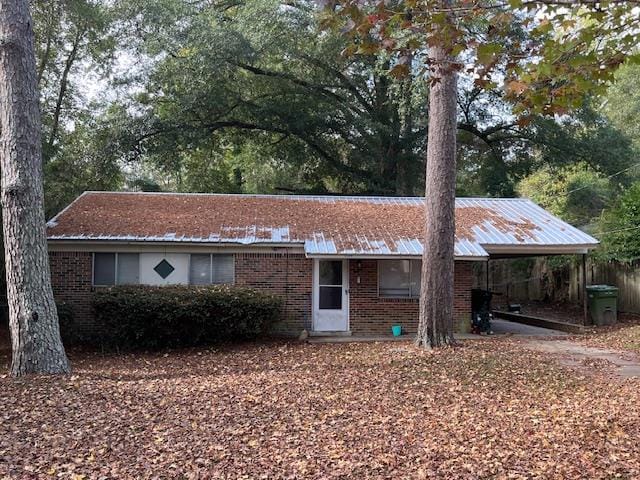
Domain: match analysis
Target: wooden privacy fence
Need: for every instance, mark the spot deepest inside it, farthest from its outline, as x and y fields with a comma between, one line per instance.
x=544, y=279
x=623, y=275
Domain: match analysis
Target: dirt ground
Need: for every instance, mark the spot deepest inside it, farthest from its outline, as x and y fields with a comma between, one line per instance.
x=493, y=408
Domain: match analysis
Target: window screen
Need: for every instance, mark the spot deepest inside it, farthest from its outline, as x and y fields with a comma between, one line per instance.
x=330, y=284
x=393, y=278
x=399, y=278
x=116, y=268
x=330, y=298
x=104, y=268
x=200, y=269
x=208, y=269
x=416, y=272
x=128, y=269
x=330, y=272
x=222, y=269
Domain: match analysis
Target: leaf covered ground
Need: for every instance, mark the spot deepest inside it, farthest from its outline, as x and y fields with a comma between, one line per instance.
x=489, y=409
x=623, y=337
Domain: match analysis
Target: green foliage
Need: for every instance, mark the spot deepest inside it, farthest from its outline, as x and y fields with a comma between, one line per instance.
x=620, y=226
x=176, y=316
x=622, y=103
x=253, y=98
x=145, y=185
x=575, y=193
x=88, y=159
x=69, y=35
x=250, y=96
x=73, y=37
x=570, y=49
x=560, y=262
x=492, y=149
x=586, y=136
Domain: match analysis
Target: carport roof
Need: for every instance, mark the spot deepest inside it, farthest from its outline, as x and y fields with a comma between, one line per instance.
x=323, y=225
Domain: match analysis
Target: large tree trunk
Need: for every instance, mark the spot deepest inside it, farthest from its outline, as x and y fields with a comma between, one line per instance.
x=35, y=334
x=436, y=296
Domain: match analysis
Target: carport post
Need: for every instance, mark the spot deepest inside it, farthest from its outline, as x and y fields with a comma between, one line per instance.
x=487, y=275
x=584, y=290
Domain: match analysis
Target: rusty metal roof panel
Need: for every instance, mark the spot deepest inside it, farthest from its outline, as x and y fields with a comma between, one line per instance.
x=540, y=226
x=325, y=225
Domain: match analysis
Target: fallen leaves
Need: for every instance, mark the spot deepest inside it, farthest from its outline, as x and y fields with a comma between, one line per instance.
x=622, y=337
x=488, y=409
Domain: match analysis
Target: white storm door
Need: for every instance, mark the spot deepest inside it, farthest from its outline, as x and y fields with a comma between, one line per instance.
x=330, y=296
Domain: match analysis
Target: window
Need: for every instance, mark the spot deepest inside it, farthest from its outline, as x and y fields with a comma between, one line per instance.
x=222, y=269
x=330, y=285
x=200, y=270
x=124, y=269
x=128, y=269
x=104, y=269
x=399, y=278
x=207, y=269
x=116, y=269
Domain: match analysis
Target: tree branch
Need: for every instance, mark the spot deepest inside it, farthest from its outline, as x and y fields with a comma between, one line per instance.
x=64, y=83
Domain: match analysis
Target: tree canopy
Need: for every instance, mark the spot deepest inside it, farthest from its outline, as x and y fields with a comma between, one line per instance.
x=575, y=193
x=619, y=227
x=621, y=103
x=254, y=97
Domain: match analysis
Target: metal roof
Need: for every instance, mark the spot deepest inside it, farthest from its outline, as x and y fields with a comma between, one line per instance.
x=322, y=225
x=550, y=230
x=319, y=246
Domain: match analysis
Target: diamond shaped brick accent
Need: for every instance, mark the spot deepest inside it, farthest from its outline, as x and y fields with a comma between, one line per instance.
x=164, y=269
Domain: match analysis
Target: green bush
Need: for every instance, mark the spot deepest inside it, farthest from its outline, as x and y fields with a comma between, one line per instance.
x=177, y=316
x=70, y=332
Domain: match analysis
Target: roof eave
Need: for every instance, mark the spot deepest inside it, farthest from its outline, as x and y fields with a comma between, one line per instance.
x=388, y=256
x=59, y=240
x=523, y=249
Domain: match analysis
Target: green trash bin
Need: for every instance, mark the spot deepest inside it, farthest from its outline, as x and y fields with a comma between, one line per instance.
x=603, y=304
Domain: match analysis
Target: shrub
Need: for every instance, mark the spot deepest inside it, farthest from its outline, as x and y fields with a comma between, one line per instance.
x=70, y=332
x=176, y=316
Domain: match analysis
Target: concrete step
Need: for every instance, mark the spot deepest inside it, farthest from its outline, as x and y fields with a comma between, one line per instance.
x=330, y=334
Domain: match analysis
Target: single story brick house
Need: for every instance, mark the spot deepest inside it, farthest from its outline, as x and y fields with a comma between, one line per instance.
x=342, y=264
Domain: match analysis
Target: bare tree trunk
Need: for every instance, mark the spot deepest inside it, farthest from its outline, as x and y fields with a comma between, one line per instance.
x=54, y=20
x=436, y=296
x=64, y=84
x=33, y=320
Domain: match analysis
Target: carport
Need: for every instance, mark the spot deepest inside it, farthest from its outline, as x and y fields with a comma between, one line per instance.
x=503, y=294
x=520, y=229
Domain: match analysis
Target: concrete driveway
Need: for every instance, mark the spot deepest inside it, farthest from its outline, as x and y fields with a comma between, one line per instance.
x=505, y=327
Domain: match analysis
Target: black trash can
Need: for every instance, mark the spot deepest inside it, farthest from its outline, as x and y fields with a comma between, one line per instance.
x=481, y=310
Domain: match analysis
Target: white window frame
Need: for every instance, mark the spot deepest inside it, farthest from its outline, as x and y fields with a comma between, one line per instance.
x=412, y=262
x=115, y=270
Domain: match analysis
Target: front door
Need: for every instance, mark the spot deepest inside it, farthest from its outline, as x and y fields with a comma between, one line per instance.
x=330, y=296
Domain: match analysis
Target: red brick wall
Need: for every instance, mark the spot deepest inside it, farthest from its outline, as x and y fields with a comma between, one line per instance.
x=285, y=274
x=71, y=281
x=373, y=315
x=463, y=283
